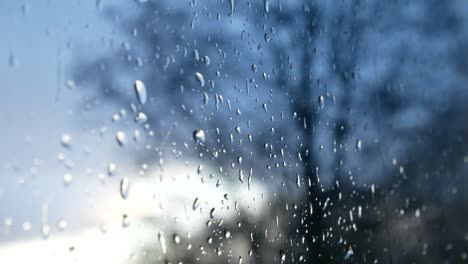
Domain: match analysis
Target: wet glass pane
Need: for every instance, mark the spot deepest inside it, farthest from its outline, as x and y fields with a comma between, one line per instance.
x=234, y=131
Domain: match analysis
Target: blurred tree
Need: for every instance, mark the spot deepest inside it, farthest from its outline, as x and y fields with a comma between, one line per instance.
x=320, y=100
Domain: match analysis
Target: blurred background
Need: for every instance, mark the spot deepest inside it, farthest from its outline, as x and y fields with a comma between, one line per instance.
x=232, y=131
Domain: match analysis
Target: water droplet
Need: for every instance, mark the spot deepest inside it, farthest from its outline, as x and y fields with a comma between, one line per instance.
x=162, y=241
x=241, y=176
x=141, y=117
x=121, y=138
x=321, y=102
x=266, y=5
x=65, y=140
x=212, y=212
x=238, y=130
x=62, y=225
x=70, y=84
x=195, y=204
x=254, y=67
x=239, y=160
x=249, y=178
x=207, y=60
x=27, y=226
x=67, y=179
x=359, y=145
x=200, y=79
x=176, y=239
x=298, y=181
x=125, y=220
x=45, y=230
x=282, y=256
x=232, y=7
x=140, y=89
x=199, y=136
x=124, y=187
x=111, y=167
x=227, y=234
x=349, y=253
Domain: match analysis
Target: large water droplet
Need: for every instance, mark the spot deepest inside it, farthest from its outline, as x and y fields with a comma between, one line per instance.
x=199, y=136
x=124, y=187
x=200, y=79
x=232, y=7
x=140, y=90
x=266, y=5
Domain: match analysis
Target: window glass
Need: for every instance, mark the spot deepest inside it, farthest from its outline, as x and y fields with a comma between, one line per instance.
x=234, y=131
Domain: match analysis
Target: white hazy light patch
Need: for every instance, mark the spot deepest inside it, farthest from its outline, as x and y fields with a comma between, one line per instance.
x=166, y=198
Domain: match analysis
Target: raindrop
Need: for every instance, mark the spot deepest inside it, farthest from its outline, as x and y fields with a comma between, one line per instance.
x=238, y=130
x=65, y=140
x=199, y=136
x=298, y=181
x=27, y=226
x=45, y=230
x=249, y=178
x=212, y=212
x=125, y=220
x=140, y=90
x=67, y=179
x=176, y=239
x=111, y=167
x=162, y=241
x=321, y=102
x=349, y=253
x=227, y=234
x=282, y=256
x=200, y=79
x=195, y=204
x=232, y=7
x=241, y=176
x=62, y=225
x=121, y=138
x=359, y=145
x=239, y=160
x=254, y=67
x=124, y=188
x=141, y=117
x=266, y=5
x=136, y=135
x=207, y=60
